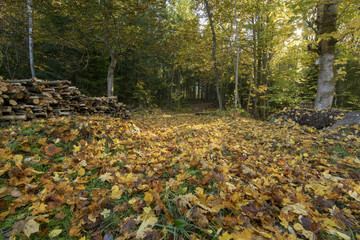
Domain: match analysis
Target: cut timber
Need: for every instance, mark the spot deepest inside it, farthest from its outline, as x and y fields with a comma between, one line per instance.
x=57, y=82
x=3, y=88
x=38, y=98
x=6, y=109
x=14, y=117
x=12, y=102
x=20, y=81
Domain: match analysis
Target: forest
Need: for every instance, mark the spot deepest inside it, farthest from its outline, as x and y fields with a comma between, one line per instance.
x=259, y=56
x=101, y=137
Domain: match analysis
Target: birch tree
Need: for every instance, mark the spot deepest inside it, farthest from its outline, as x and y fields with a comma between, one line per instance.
x=31, y=40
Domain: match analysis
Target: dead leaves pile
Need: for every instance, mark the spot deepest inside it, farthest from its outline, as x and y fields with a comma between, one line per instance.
x=177, y=177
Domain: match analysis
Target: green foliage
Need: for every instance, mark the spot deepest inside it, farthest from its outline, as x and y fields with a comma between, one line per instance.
x=164, y=50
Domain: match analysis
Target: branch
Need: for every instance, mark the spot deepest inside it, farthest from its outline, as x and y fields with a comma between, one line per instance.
x=344, y=11
x=310, y=25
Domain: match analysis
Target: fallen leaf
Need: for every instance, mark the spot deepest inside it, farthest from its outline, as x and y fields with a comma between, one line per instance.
x=116, y=193
x=145, y=226
x=106, y=213
x=16, y=193
x=27, y=226
x=52, y=150
x=81, y=172
x=149, y=199
x=54, y=233
x=106, y=177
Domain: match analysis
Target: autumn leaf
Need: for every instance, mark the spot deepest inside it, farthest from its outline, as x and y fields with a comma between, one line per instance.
x=149, y=199
x=27, y=226
x=226, y=236
x=38, y=208
x=116, y=193
x=81, y=172
x=146, y=225
x=106, y=177
x=105, y=213
x=52, y=150
x=54, y=233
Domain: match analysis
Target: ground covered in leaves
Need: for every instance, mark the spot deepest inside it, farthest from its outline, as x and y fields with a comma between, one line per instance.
x=177, y=176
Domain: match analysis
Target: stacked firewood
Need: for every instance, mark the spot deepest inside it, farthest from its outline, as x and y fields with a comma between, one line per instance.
x=33, y=98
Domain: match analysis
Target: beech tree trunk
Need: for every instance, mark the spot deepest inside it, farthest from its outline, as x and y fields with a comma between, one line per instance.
x=214, y=55
x=237, y=61
x=31, y=42
x=327, y=15
x=110, y=76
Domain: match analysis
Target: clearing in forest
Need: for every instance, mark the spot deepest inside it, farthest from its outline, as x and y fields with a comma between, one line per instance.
x=177, y=176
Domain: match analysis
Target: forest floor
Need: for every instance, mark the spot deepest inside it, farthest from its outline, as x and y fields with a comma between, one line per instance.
x=178, y=176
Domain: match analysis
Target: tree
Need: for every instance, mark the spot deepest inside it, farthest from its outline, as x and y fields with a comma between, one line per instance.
x=31, y=41
x=237, y=60
x=326, y=25
x=217, y=73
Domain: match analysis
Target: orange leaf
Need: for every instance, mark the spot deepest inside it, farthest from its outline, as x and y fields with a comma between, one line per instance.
x=52, y=150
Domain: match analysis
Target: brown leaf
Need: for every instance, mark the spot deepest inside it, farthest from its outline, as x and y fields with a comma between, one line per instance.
x=16, y=193
x=127, y=225
x=52, y=150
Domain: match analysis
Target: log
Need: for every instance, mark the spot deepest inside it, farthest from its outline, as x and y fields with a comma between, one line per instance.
x=56, y=82
x=37, y=98
x=6, y=109
x=3, y=88
x=12, y=102
x=13, y=117
x=21, y=81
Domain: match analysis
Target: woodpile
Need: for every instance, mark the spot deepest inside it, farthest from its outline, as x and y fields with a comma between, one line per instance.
x=33, y=98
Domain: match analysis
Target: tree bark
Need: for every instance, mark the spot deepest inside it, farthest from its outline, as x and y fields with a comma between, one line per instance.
x=327, y=16
x=110, y=75
x=237, y=61
x=214, y=55
x=31, y=42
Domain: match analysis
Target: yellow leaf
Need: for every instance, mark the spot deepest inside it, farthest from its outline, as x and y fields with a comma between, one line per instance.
x=246, y=234
x=76, y=148
x=339, y=234
x=116, y=193
x=106, y=177
x=18, y=159
x=145, y=226
x=55, y=233
x=38, y=208
x=105, y=213
x=226, y=236
x=199, y=190
x=296, y=208
x=31, y=227
x=148, y=198
x=81, y=172
x=5, y=168
x=132, y=201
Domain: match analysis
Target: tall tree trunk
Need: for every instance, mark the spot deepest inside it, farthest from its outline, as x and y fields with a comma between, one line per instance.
x=327, y=15
x=251, y=82
x=110, y=75
x=31, y=42
x=214, y=55
x=253, y=74
x=237, y=60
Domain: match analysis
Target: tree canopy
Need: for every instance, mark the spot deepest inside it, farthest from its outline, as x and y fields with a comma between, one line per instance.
x=161, y=52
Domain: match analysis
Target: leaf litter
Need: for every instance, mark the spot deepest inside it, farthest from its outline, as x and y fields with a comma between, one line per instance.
x=178, y=176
